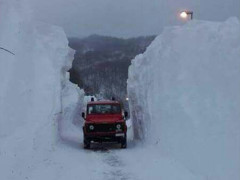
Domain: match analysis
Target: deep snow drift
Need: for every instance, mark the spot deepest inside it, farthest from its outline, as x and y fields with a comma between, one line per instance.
x=185, y=96
x=32, y=84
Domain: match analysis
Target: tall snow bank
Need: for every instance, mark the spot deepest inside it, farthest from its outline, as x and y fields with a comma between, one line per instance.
x=33, y=82
x=185, y=96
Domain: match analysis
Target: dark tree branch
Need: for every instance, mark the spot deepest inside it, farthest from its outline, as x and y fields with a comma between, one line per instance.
x=7, y=50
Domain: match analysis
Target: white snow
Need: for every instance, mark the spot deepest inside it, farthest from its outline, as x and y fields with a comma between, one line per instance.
x=40, y=124
x=183, y=91
x=34, y=93
x=184, y=95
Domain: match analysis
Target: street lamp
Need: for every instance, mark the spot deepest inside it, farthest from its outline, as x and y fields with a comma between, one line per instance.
x=185, y=14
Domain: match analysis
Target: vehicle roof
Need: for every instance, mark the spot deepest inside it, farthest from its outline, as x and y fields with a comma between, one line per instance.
x=103, y=102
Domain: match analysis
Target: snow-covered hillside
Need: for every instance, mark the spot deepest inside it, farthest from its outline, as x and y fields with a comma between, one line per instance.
x=185, y=97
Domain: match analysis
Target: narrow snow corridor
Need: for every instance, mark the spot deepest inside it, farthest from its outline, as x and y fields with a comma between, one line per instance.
x=184, y=104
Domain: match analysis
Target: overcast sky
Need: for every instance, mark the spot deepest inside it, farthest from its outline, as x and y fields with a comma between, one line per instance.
x=128, y=18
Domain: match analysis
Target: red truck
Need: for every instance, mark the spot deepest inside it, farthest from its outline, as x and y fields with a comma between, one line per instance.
x=105, y=121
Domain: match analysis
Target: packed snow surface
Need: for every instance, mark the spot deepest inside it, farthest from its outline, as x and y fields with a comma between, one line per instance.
x=185, y=97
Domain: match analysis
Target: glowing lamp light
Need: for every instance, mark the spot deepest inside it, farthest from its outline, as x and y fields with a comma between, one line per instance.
x=183, y=15
x=127, y=99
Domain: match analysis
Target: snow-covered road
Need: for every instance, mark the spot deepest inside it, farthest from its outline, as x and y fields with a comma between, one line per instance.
x=109, y=162
x=102, y=161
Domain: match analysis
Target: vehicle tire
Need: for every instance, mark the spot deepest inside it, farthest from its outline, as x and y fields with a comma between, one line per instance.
x=86, y=143
x=124, y=143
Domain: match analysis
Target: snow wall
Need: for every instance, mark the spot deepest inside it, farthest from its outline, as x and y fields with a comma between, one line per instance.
x=185, y=96
x=33, y=90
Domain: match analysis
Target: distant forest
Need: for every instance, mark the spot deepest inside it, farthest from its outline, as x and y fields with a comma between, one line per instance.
x=101, y=64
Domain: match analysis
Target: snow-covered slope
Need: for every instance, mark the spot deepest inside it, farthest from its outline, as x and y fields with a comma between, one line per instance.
x=185, y=96
x=33, y=82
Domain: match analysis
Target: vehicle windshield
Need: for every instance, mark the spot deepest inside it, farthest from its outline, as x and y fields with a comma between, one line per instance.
x=104, y=109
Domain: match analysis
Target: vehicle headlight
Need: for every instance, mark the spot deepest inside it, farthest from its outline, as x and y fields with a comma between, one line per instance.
x=118, y=126
x=91, y=127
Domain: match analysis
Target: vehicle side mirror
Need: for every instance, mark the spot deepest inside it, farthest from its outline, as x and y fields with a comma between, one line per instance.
x=83, y=115
x=125, y=114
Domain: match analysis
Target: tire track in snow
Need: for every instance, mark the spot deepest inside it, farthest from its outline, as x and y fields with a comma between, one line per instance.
x=117, y=169
x=108, y=152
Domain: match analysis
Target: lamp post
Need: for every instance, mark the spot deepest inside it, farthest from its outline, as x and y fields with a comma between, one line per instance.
x=185, y=14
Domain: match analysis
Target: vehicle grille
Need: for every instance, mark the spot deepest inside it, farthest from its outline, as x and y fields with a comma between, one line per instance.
x=103, y=127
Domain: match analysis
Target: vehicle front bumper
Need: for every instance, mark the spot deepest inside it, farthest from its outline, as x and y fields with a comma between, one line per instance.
x=105, y=137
